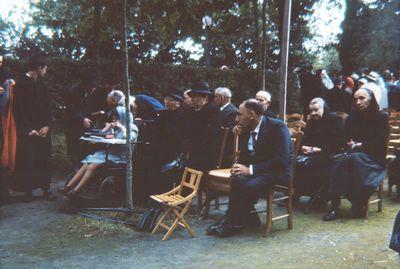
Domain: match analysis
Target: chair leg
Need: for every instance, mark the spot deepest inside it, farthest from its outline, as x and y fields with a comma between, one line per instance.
x=366, y=210
x=268, y=223
x=161, y=220
x=171, y=229
x=200, y=201
x=390, y=187
x=217, y=202
x=380, y=197
x=183, y=221
x=206, y=209
x=289, y=205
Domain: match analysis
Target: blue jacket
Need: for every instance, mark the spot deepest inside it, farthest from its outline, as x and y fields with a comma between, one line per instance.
x=273, y=151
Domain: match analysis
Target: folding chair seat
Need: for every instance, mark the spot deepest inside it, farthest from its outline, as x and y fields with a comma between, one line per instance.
x=176, y=203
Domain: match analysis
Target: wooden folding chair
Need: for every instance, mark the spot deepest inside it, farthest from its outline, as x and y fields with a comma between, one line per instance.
x=175, y=204
x=393, y=141
x=286, y=190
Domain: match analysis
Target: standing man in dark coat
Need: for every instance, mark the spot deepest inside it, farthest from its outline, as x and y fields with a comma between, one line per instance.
x=226, y=119
x=81, y=102
x=339, y=99
x=32, y=113
x=202, y=144
x=310, y=86
x=266, y=153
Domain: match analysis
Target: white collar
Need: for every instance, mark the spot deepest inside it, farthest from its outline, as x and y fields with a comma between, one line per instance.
x=223, y=107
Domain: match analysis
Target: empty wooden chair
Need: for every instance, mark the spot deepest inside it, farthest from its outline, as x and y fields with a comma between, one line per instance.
x=393, y=142
x=176, y=203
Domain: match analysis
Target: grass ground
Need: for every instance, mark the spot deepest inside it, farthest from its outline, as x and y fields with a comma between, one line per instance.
x=35, y=235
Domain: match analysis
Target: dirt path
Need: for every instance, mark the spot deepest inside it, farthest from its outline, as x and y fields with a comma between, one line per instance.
x=35, y=235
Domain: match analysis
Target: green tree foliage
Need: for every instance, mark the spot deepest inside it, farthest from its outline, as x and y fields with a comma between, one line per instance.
x=371, y=35
x=88, y=29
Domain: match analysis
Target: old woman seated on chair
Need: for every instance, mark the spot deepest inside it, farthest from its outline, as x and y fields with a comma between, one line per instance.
x=364, y=168
x=323, y=140
x=115, y=154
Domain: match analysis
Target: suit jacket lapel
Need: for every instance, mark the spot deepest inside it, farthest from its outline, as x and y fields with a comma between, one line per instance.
x=261, y=134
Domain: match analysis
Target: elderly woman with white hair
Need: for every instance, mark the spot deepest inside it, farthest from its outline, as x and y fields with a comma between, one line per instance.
x=116, y=154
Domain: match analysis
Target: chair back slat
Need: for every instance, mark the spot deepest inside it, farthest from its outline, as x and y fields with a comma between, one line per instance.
x=225, y=131
x=190, y=179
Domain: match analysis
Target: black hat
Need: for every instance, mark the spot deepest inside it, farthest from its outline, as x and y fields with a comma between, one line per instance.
x=200, y=88
x=175, y=94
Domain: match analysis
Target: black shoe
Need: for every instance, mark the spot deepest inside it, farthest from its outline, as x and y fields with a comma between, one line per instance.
x=228, y=230
x=253, y=221
x=212, y=230
x=332, y=215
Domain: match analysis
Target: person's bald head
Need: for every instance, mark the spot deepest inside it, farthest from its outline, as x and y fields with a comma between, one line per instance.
x=264, y=98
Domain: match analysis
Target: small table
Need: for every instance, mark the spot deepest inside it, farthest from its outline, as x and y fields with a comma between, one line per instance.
x=102, y=140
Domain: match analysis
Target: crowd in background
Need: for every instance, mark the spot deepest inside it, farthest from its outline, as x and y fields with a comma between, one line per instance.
x=188, y=124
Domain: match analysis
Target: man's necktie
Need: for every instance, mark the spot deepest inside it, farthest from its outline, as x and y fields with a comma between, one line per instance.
x=252, y=142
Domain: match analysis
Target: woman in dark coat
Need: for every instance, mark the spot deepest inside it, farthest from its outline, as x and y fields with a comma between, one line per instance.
x=364, y=168
x=323, y=138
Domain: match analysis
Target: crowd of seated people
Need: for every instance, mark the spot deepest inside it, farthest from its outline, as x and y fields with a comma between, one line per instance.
x=345, y=156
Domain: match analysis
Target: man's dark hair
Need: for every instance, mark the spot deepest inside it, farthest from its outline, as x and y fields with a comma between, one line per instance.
x=254, y=105
x=37, y=61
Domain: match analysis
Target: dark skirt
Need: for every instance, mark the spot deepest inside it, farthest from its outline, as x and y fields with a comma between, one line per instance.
x=356, y=177
x=311, y=174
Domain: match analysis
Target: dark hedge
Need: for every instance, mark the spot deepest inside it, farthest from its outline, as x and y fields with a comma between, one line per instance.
x=155, y=79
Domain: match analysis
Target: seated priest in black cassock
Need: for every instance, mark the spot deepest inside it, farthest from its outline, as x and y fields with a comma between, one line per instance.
x=264, y=98
x=323, y=140
x=202, y=140
x=226, y=119
x=32, y=113
x=360, y=173
x=266, y=152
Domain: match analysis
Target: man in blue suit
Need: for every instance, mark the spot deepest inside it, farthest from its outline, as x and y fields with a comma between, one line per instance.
x=265, y=156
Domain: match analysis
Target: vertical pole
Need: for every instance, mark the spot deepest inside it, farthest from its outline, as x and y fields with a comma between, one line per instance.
x=264, y=43
x=129, y=185
x=207, y=47
x=283, y=70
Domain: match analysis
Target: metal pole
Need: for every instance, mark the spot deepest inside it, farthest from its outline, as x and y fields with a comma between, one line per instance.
x=207, y=47
x=129, y=185
x=283, y=70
